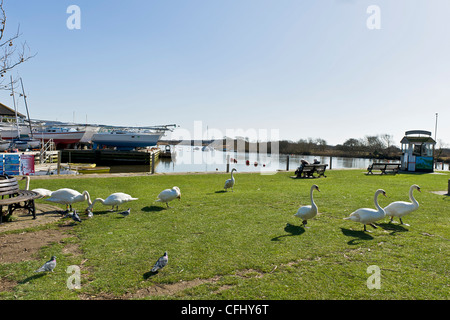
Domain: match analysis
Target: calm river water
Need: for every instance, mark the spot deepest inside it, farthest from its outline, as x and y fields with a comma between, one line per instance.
x=194, y=159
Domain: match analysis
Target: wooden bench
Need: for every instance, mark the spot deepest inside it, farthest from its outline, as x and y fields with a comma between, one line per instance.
x=15, y=198
x=308, y=171
x=385, y=168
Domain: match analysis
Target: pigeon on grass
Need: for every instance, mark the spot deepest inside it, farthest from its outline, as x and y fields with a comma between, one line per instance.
x=75, y=216
x=48, y=266
x=161, y=263
x=125, y=213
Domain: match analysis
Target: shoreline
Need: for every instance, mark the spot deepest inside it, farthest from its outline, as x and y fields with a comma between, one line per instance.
x=139, y=174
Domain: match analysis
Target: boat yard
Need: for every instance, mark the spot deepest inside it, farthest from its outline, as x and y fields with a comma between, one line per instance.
x=74, y=162
x=70, y=148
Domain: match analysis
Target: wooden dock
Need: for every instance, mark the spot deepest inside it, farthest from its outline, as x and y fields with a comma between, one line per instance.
x=109, y=157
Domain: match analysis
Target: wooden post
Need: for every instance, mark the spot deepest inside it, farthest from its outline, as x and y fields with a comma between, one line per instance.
x=331, y=163
x=228, y=163
x=153, y=163
x=448, y=191
x=287, y=163
x=58, y=166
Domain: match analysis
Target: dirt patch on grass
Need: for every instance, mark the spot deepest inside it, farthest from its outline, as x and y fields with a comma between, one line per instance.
x=44, y=214
x=168, y=289
x=7, y=285
x=17, y=247
x=154, y=290
x=23, y=246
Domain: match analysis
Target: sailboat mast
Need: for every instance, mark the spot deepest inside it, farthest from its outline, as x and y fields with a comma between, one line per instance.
x=26, y=106
x=15, y=109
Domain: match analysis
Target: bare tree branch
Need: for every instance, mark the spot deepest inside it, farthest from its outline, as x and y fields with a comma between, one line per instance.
x=12, y=54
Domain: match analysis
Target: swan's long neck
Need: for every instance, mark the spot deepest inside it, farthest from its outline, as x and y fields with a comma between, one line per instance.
x=88, y=197
x=411, y=197
x=375, y=200
x=91, y=205
x=312, y=198
x=27, y=186
x=232, y=174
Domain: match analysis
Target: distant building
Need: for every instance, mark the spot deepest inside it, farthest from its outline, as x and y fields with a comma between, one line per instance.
x=417, y=151
x=7, y=114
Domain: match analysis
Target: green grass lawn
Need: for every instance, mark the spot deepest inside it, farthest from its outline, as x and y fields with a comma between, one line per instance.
x=247, y=244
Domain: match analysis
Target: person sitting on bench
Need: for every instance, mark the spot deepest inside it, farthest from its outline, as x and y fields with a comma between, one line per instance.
x=299, y=170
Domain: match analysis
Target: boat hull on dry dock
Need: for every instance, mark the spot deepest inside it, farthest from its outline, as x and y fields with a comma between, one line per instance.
x=109, y=157
x=126, y=140
x=60, y=135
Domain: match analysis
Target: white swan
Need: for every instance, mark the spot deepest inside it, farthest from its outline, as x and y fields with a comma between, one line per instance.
x=42, y=192
x=27, y=185
x=168, y=195
x=402, y=208
x=114, y=199
x=369, y=216
x=230, y=182
x=308, y=212
x=68, y=197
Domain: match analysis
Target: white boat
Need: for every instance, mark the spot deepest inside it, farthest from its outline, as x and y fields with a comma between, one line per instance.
x=126, y=139
x=10, y=131
x=25, y=143
x=17, y=137
x=4, y=145
x=60, y=135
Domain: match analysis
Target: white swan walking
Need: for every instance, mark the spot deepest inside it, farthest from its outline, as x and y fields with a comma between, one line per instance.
x=230, y=182
x=168, y=195
x=114, y=199
x=369, y=216
x=402, y=208
x=68, y=197
x=310, y=211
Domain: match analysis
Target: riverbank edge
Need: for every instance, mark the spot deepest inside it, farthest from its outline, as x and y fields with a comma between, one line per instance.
x=141, y=174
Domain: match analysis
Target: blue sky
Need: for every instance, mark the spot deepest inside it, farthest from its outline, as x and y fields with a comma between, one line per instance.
x=305, y=68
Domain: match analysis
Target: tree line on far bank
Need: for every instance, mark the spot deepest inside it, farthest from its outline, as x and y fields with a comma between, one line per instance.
x=375, y=146
x=371, y=146
x=379, y=146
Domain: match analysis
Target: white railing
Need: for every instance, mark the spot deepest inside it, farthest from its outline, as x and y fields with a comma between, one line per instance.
x=47, y=152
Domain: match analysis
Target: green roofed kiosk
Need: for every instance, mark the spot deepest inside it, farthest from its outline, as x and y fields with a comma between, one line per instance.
x=417, y=151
